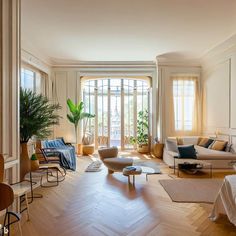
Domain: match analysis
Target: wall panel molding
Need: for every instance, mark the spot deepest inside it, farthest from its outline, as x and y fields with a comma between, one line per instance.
x=9, y=83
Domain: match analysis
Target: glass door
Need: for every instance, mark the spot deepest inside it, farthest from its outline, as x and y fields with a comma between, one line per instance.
x=116, y=103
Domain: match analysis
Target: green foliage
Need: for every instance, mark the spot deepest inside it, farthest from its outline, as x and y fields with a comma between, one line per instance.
x=34, y=157
x=142, y=129
x=37, y=115
x=77, y=114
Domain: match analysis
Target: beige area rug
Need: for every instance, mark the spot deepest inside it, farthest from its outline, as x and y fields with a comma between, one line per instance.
x=192, y=190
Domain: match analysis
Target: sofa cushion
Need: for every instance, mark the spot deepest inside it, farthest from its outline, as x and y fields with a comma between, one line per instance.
x=219, y=145
x=208, y=143
x=187, y=152
x=180, y=141
x=205, y=142
x=171, y=145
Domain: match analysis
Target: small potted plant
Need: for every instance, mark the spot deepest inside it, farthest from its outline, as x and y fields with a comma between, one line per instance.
x=142, y=139
x=34, y=162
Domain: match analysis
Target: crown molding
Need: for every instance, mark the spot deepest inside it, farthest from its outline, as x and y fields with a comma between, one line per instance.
x=170, y=62
x=102, y=64
x=30, y=59
x=219, y=53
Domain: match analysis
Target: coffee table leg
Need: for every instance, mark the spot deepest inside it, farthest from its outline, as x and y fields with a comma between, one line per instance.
x=129, y=179
x=133, y=180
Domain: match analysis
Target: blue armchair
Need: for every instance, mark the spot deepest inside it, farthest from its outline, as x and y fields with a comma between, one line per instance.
x=68, y=156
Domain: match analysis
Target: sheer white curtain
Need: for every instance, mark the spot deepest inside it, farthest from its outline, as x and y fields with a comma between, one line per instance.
x=185, y=100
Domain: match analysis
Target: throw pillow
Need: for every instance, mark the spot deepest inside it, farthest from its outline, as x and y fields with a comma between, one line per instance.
x=171, y=145
x=199, y=140
x=208, y=143
x=219, y=145
x=180, y=141
x=187, y=152
x=203, y=142
x=228, y=147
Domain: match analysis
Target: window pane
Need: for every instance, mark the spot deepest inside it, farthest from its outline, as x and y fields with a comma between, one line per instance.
x=27, y=79
x=184, y=96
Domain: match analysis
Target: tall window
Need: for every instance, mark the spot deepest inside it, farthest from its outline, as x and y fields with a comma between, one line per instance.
x=31, y=79
x=185, y=106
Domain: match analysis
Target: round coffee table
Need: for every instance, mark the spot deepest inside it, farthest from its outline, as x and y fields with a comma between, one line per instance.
x=132, y=170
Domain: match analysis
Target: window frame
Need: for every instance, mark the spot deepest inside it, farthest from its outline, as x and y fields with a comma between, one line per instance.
x=36, y=74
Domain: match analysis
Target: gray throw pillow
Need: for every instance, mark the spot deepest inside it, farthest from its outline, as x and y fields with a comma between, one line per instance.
x=172, y=145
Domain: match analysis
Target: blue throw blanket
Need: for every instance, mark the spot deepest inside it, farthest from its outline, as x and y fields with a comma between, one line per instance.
x=68, y=157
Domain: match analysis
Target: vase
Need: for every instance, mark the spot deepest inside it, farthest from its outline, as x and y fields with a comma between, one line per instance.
x=24, y=161
x=34, y=165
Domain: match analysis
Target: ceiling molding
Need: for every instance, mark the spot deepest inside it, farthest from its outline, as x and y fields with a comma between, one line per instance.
x=170, y=62
x=220, y=53
x=107, y=64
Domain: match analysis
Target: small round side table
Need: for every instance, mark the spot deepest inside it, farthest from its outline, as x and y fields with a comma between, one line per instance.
x=128, y=172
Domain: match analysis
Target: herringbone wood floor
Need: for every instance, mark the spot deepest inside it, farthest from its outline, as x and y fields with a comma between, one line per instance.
x=94, y=204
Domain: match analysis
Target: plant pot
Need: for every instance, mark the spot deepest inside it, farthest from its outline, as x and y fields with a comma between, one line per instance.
x=88, y=150
x=34, y=165
x=24, y=161
x=143, y=148
x=158, y=150
x=79, y=148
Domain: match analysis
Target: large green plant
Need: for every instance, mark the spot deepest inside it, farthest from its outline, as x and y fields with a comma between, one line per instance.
x=142, y=129
x=37, y=115
x=77, y=114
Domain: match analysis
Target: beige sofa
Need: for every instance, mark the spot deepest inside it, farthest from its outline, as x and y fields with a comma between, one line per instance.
x=218, y=159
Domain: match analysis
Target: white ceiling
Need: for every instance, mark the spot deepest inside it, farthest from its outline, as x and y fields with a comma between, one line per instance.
x=126, y=30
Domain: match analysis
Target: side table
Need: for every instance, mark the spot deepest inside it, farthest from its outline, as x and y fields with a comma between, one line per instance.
x=128, y=171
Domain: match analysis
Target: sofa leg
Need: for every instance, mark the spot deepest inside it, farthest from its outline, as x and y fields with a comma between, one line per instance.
x=110, y=171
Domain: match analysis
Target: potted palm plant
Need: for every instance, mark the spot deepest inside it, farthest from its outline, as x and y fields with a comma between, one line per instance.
x=142, y=139
x=76, y=115
x=37, y=116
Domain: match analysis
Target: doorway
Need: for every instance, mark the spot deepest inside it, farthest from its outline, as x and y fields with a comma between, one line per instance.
x=116, y=103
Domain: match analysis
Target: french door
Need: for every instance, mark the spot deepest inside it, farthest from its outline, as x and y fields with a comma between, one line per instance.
x=116, y=103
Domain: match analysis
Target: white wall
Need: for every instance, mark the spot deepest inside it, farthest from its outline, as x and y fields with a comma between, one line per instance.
x=66, y=84
x=9, y=78
x=219, y=84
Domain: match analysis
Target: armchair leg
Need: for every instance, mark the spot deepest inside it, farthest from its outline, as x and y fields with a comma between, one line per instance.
x=49, y=181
